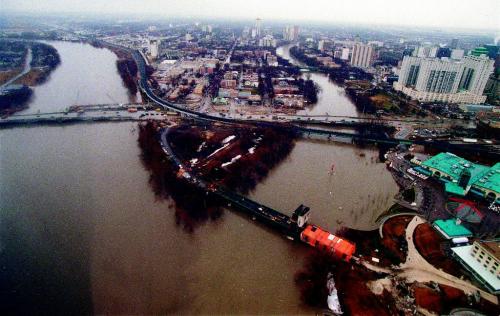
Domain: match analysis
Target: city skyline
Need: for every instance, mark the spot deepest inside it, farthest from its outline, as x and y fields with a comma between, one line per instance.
x=446, y=14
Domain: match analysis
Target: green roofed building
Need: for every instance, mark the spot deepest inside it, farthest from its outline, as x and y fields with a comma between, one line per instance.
x=451, y=229
x=461, y=176
x=478, y=51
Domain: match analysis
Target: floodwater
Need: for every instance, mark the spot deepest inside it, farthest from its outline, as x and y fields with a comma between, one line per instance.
x=332, y=99
x=82, y=232
x=86, y=76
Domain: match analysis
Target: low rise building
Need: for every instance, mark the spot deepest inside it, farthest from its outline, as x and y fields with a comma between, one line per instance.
x=482, y=259
x=461, y=176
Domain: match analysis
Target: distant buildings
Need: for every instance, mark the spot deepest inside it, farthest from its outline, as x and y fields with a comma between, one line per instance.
x=267, y=41
x=258, y=28
x=291, y=33
x=445, y=80
x=425, y=51
x=362, y=55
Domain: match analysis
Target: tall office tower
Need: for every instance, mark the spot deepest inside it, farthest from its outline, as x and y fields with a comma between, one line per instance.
x=445, y=80
x=457, y=54
x=362, y=55
x=154, y=48
x=345, y=53
x=258, y=27
x=477, y=70
x=291, y=33
x=295, y=33
x=321, y=45
x=443, y=52
x=454, y=43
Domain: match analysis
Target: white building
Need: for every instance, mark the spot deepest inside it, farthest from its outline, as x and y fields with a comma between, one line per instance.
x=154, y=48
x=321, y=45
x=345, y=53
x=425, y=51
x=362, y=55
x=482, y=259
x=291, y=33
x=258, y=28
x=267, y=41
x=445, y=80
x=457, y=54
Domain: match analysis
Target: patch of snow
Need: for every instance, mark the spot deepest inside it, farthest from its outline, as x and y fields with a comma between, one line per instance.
x=201, y=147
x=333, y=298
x=232, y=161
x=251, y=150
x=228, y=139
x=216, y=151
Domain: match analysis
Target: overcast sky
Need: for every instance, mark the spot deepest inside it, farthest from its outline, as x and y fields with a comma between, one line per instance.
x=477, y=14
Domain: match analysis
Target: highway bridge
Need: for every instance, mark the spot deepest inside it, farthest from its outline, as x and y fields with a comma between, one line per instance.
x=89, y=116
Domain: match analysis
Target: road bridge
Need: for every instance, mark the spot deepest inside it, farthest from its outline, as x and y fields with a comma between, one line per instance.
x=91, y=116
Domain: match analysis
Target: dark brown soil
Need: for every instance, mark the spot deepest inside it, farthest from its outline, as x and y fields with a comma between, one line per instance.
x=428, y=243
x=354, y=295
x=394, y=236
x=445, y=298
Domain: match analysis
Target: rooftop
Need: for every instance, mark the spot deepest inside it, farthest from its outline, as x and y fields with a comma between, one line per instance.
x=490, y=180
x=450, y=229
x=481, y=176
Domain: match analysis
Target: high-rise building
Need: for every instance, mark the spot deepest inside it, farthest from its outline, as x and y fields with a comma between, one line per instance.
x=345, y=53
x=362, y=55
x=267, y=41
x=291, y=33
x=443, y=52
x=321, y=45
x=454, y=43
x=457, y=54
x=446, y=80
x=154, y=48
x=258, y=27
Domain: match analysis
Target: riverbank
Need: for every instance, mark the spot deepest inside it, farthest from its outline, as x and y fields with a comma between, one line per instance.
x=45, y=59
x=39, y=60
x=392, y=275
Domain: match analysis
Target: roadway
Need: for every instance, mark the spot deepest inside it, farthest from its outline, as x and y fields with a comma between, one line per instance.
x=101, y=115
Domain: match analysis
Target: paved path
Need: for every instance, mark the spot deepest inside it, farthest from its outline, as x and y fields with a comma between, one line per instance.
x=26, y=69
x=416, y=268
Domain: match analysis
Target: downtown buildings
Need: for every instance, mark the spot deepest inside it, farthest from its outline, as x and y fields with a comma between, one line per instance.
x=445, y=80
x=291, y=33
x=362, y=55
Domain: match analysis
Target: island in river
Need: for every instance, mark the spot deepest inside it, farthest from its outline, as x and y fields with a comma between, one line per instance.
x=24, y=64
